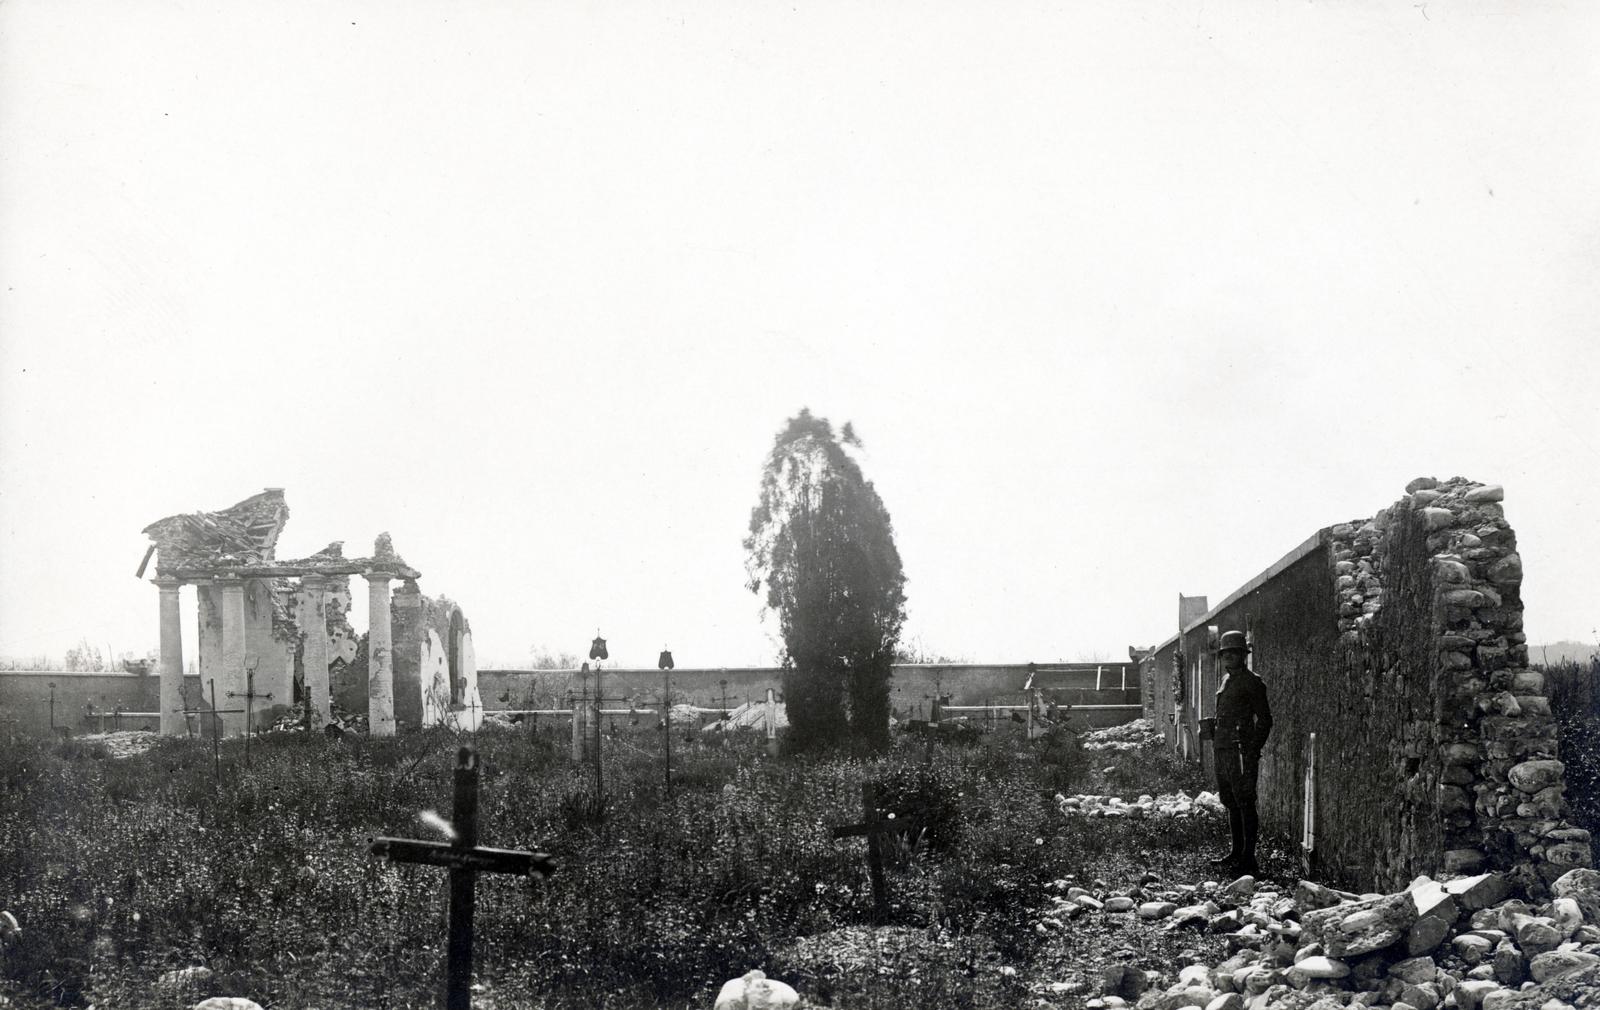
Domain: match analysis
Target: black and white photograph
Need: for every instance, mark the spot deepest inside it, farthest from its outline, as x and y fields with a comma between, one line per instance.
x=1058, y=504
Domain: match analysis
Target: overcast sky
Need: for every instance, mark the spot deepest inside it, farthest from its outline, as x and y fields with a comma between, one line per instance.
x=1124, y=300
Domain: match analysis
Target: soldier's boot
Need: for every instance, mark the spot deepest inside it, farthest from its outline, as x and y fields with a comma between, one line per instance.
x=1236, y=830
x=1252, y=828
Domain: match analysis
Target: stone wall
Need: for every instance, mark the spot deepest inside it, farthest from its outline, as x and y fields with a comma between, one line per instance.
x=25, y=700
x=911, y=688
x=1397, y=641
x=427, y=692
x=270, y=644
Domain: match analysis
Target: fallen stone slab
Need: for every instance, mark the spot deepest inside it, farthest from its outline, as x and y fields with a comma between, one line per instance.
x=754, y=991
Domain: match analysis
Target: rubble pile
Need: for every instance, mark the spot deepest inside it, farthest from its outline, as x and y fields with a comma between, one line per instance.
x=1178, y=804
x=123, y=743
x=1135, y=735
x=1461, y=944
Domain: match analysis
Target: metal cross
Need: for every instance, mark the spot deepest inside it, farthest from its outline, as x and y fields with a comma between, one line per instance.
x=472, y=706
x=216, y=715
x=465, y=859
x=249, y=695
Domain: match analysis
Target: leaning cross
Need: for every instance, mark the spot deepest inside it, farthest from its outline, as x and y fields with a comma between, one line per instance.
x=876, y=826
x=465, y=859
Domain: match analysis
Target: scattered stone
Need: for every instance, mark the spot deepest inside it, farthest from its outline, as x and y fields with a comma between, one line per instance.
x=1554, y=963
x=753, y=991
x=1323, y=967
x=1123, y=981
x=1157, y=909
x=1509, y=967
x=1471, y=948
x=1473, y=893
x=227, y=1003
x=1415, y=970
x=1470, y=994
x=181, y=978
x=1241, y=889
x=1566, y=915
x=1485, y=493
x=1583, y=886
x=1121, y=903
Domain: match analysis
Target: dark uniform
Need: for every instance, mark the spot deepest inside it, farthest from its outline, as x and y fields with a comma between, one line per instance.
x=1242, y=723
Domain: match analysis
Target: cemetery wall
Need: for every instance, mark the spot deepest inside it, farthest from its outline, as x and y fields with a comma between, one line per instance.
x=25, y=698
x=1397, y=641
x=912, y=688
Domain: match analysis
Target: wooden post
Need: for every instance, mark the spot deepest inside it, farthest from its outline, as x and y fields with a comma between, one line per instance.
x=869, y=815
x=772, y=722
x=463, y=896
x=577, y=728
x=666, y=726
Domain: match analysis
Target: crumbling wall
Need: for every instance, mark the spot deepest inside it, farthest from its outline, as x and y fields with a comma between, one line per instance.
x=269, y=647
x=335, y=625
x=1397, y=641
x=430, y=689
x=1501, y=785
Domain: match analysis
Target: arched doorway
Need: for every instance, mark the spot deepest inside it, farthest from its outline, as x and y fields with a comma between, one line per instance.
x=458, y=632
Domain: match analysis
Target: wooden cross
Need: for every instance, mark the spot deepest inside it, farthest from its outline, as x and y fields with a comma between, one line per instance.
x=876, y=825
x=465, y=859
x=249, y=695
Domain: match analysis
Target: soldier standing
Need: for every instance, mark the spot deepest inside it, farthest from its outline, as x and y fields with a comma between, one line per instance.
x=1243, y=721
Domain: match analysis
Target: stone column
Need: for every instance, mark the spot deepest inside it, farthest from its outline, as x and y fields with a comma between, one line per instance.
x=409, y=636
x=233, y=651
x=380, y=657
x=314, y=628
x=173, y=721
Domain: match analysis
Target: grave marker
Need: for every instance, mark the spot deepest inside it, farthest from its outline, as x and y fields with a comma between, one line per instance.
x=465, y=859
x=249, y=695
x=876, y=825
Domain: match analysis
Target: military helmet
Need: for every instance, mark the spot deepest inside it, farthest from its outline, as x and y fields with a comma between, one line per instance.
x=1233, y=640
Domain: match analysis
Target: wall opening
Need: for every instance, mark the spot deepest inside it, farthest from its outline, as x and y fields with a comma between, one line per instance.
x=457, y=634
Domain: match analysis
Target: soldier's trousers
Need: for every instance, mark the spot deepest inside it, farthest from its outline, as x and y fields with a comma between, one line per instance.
x=1236, y=787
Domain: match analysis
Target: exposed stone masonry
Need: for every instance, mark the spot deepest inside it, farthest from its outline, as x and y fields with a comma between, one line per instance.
x=1397, y=642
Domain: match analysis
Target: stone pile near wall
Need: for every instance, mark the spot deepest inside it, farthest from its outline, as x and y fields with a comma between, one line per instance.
x=1465, y=943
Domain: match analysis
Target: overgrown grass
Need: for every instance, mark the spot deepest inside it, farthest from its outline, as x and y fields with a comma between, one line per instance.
x=1574, y=692
x=121, y=870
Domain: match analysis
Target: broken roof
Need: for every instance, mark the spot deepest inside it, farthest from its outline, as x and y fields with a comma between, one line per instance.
x=241, y=540
x=245, y=533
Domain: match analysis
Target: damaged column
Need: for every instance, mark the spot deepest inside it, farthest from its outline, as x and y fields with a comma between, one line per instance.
x=314, y=629
x=233, y=652
x=171, y=692
x=380, y=638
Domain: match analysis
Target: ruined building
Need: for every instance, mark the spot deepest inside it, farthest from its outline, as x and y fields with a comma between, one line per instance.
x=1409, y=734
x=271, y=630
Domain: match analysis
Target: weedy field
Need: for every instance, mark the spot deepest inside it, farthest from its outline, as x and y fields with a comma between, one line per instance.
x=122, y=870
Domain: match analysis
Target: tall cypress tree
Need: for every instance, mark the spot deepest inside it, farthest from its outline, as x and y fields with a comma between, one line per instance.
x=822, y=547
